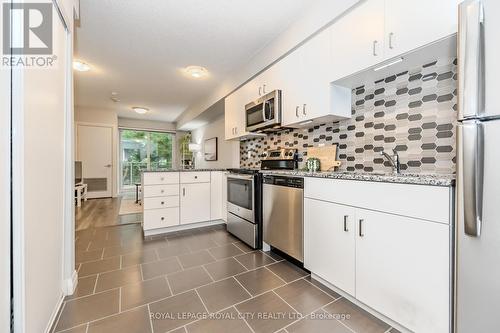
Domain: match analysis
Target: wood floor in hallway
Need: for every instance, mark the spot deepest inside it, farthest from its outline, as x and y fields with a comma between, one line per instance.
x=95, y=213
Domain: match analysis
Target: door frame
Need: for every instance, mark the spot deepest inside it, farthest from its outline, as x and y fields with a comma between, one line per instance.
x=114, y=151
x=69, y=276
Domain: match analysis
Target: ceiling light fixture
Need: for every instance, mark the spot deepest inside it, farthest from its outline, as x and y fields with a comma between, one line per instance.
x=81, y=66
x=196, y=72
x=140, y=109
x=393, y=62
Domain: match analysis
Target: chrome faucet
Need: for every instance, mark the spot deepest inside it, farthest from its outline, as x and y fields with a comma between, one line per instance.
x=394, y=160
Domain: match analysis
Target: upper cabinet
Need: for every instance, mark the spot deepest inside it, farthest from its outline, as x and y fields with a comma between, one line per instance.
x=410, y=24
x=378, y=30
x=358, y=39
x=234, y=115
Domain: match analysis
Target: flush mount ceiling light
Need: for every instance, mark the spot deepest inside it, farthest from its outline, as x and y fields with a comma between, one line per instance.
x=81, y=66
x=196, y=72
x=140, y=109
x=388, y=64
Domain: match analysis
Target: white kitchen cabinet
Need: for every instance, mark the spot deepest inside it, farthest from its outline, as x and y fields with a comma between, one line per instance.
x=410, y=24
x=395, y=257
x=358, y=39
x=402, y=269
x=216, y=196
x=329, y=242
x=234, y=115
x=195, y=202
x=160, y=218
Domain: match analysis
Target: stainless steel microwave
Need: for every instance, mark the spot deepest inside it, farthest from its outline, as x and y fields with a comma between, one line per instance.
x=264, y=114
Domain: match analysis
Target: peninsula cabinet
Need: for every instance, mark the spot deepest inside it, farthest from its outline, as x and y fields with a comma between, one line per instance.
x=394, y=257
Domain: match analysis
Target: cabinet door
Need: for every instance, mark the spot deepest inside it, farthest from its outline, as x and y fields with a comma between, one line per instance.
x=195, y=203
x=358, y=39
x=289, y=70
x=315, y=77
x=403, y=269
x=329, y=242
x=216, y=195
x=230, y=114
x=411, y=24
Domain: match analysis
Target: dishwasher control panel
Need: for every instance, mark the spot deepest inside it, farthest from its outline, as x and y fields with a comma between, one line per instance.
x=296, y=182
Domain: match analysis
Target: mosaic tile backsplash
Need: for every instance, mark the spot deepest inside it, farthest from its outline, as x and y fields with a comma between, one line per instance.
x=413, y=112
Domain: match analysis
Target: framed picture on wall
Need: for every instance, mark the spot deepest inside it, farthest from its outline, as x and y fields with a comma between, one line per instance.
x=210, y=149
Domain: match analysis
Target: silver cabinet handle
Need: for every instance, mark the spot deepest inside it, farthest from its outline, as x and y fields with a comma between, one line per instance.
x=390, y=40
x=107, y=166
x=375, y=48
x=361, y=233
x=260, y=91
x=162, y=218
x=183, y=191
x=345, y=223
x=304, y=109
x=162, y=191
x=470, y=172
x=470, y=60
x=297, y=111
x=163, y=202
x=264, y=89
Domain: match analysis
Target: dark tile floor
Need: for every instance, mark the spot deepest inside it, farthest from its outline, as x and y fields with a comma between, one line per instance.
x=203, y=280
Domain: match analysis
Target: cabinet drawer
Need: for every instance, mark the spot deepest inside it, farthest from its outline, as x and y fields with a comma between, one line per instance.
x=419, y=201
x=195, y=177
x=157, y=178
x=160, y=190
x=161, y=202
x=161, y=218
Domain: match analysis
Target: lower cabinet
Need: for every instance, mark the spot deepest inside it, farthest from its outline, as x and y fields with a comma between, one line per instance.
x=402, y=269
x=397, y=265
x=195, y=202
x=329, y=237
x=161, y=218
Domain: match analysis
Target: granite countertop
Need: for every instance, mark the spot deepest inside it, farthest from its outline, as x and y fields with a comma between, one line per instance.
x=403, y=178
x=185, y=170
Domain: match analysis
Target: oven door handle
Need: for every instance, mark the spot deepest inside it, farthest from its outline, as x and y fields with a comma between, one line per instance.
x=240, y=177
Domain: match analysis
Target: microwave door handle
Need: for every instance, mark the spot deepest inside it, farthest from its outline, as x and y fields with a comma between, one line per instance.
x=264, y=116
x=470, y=59
x=470, y=177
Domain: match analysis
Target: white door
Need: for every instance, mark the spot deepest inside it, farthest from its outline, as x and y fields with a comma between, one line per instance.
x=329, y=242
x=95, y=150
x=358, y=38
x=404, y=30
x=195, y=203
x=403, y=269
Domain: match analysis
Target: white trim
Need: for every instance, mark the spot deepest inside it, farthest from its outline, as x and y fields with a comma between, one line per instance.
x=69, y=284
x=182, y=227
x=54, y=315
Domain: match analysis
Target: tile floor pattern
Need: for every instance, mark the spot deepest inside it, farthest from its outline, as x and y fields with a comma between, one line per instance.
x=203, y=280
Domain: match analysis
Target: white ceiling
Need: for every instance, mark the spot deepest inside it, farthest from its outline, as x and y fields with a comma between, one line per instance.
x=138, y=48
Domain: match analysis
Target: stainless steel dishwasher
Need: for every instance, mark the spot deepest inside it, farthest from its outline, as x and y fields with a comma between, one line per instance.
x=282, y=206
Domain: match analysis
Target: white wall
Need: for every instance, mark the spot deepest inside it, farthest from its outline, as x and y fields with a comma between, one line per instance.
x=228, y=154
x=4, y=199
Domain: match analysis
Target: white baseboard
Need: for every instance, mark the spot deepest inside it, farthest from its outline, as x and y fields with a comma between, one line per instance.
x=182, y=227
x=360, y=304
x=70, y=284
x=54, y=315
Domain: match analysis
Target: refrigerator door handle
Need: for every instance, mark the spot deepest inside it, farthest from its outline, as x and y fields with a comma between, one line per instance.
x=470, y=184
x=470, y=62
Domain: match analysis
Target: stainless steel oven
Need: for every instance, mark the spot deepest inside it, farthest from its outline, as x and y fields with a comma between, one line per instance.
x=244, y=202
x=264, y=114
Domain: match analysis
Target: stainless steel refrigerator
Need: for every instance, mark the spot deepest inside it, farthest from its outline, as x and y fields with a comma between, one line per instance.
x=477, y=270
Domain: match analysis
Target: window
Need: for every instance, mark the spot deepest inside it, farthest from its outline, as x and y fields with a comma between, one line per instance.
x=141, y=150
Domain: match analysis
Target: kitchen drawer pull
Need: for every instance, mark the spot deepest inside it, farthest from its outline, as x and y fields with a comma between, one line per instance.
x=297, y=111
x=183, y=191
x=345, y=223
x=162, y=218
x=195, y=177
x=361, y=233
x=162, y=178
x=163, y=202
x=375, y=48
x=304, y=109
x=162, y=191
x=390, y=40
